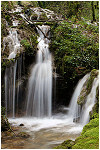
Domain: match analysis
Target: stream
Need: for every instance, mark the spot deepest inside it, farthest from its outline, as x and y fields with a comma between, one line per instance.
x=46, y=133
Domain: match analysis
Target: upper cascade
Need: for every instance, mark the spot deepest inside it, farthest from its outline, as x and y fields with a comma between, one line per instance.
x=40, y=82
x=37, y=13
x=13, y=43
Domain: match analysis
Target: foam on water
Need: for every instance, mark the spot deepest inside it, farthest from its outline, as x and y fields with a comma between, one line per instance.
x=53, y=123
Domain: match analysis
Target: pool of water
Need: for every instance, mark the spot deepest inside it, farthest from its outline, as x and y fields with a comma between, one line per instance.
x=46, y=133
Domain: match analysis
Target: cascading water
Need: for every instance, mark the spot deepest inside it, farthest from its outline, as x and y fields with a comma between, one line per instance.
x=13, y=43
x=74, y=108
x=13, y=87
x=10, y=72
x=81, y=113
x=40, y=82
x=90, y=101
x=10, y=79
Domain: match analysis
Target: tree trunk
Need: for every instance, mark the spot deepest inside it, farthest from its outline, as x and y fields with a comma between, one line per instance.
x=93, y=11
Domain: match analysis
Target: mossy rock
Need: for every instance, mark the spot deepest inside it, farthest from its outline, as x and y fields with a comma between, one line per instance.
x=43, y=17
x=5, y=126
x=87, y=87
x=89, y=138
x=95, y=110
x=34, y=17
x=83, y=94
x=93, y=75
x=66, y=145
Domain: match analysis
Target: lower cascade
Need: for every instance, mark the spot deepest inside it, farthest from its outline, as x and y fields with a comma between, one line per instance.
x=40, y=82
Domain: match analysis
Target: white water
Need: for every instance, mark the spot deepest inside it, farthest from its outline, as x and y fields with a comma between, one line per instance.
x=10, y=82
x=13, y=43
x=74, y=108
x=50, y=14
x=15, y=23
x=90, y=101
x=40, y=81
x=39, y=104
x=54, y=130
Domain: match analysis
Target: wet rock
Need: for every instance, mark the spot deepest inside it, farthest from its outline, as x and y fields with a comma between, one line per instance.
x=66, y=145
x=83, y=94
x=21, y=124
x=87, y=87
x=23, y=135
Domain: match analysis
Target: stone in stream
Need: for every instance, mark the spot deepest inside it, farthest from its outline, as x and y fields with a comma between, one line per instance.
x=21, y=124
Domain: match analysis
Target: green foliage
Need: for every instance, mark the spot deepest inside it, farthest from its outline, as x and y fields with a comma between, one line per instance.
x=71, y=8
x=6, y=5
x=75, y=48
x=30, y=48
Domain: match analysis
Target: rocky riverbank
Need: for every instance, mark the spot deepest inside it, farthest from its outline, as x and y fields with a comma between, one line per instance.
x=14, y=138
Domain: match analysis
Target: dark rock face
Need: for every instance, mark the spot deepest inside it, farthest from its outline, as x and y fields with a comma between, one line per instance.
x=61, y=93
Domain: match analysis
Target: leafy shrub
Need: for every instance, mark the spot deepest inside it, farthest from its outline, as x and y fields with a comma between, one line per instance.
x=75, y=48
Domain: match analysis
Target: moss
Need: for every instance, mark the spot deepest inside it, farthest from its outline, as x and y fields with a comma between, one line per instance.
x=34, y=17
x=5, y=126
x=93, y=75
x=83, y=94
x=87, y=87
x=89, y=138
x=97, y=93
x=6, y=5
x=28, y=47
x=95, y=110
x=43, y=17
x=65, y=145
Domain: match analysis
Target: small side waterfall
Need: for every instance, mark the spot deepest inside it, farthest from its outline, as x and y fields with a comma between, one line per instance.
x=74, y=108
x=81, y=113
x=13, y=87
x=39, y=102
x=90, y=101
x=11, y=72
x=10, y=82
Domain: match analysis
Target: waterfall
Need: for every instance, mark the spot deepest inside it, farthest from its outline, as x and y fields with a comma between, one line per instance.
x=74, y=108
x=90, y=101
x=13, y=43
x=11, y=72
x=39, y=102
x=13, y=87
x=81, y=113
x=10, y=82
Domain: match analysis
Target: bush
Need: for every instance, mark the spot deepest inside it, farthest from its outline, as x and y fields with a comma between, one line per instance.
x=75, y=49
